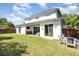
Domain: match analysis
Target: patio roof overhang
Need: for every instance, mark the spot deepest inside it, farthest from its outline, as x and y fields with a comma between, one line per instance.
x=42, y=21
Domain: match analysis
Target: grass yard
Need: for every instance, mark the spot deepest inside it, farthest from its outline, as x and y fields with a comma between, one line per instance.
x=17, y=44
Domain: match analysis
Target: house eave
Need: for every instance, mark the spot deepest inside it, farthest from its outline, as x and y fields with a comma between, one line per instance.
x=20, y=25
x=47, y=20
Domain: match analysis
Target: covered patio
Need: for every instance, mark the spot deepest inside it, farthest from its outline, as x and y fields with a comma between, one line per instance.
x=32, y=28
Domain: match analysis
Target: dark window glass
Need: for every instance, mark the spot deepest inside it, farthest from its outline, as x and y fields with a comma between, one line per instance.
x=36, y=29
x=19, y=29
x=28, y=27
x=49, y=30
x=46, y=30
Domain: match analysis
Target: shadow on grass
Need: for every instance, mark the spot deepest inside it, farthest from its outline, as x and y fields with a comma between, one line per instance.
x=4, y=38
x=12, y=49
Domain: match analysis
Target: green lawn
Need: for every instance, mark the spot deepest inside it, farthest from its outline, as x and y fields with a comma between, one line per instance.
x=17, y=44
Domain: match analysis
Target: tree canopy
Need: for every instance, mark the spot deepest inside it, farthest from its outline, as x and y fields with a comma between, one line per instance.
x=5, y=24
x=71, y=19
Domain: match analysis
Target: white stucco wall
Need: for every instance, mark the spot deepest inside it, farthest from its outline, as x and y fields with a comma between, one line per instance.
x=56, y=29
x=42, y=28
x=17, y=32
x=23, y=30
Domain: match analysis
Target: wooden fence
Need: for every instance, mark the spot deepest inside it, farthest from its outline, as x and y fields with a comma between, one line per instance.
x=7, y=30
x=71, y=32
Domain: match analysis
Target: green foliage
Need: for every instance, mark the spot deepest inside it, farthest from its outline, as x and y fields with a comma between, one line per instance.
x=3, y=20
x=71, y=19
x=76, y=22
x=8, y=25
x=12, y=49
x=5, y=24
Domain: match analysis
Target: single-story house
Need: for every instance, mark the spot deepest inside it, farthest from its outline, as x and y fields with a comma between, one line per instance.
x=48, y=24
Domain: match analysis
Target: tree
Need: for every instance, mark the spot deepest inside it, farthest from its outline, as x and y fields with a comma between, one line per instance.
x=5, y=24
x=77, y=23
x=2, y=20
x=71, y=19
x=8, y=25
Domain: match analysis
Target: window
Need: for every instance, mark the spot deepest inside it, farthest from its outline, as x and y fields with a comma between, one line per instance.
x=49, y=30
x=28, y=27
x=36, y=29
x=46, y=30
x=19, y=29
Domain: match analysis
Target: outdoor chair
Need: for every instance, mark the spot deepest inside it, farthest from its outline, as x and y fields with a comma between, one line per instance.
x=38, y=34
x=62, y=39
x=71, y=41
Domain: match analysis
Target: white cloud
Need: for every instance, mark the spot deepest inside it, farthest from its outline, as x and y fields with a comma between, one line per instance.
x=43, y=5
x=16, y=20
x=21, y=9
x=24, y=5
x=71, y=4
x=19, y=13
x=63, y=10
x=16, y=8
x=72, y=7
x=68, y=3
x=69, y=8
x=23, y=14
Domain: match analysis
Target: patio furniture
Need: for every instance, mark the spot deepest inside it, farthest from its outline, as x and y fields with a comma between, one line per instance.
x=71, y=41
x=38, y=34
x=62, y=39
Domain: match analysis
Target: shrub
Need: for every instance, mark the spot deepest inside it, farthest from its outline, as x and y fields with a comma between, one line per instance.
x=12, y=49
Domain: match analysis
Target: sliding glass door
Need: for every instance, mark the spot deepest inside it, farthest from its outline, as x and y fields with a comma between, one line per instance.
x=46, y=30
x=36, y=29
x=49, y=30
x=19, y=29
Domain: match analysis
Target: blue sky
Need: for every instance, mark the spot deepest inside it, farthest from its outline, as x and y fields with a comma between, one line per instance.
x=17, y=12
